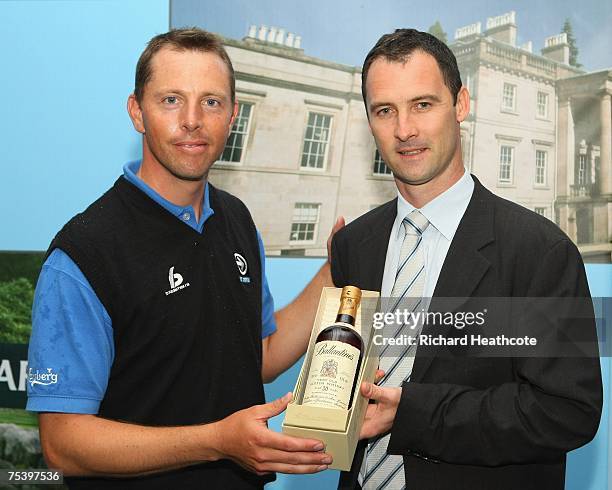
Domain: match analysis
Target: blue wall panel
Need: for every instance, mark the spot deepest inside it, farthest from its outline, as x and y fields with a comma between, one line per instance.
x=67, y=70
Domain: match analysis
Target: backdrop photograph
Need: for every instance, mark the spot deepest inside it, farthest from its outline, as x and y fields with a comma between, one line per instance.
x=300, y=152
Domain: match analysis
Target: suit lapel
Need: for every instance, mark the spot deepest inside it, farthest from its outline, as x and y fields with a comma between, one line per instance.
x=372, y=254
x=372, y=249
x=463, y=268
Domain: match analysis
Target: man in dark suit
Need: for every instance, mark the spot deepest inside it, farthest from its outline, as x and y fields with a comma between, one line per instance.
x=442, y=421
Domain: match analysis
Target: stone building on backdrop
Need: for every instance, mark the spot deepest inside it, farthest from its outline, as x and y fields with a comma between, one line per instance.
x=301, y=153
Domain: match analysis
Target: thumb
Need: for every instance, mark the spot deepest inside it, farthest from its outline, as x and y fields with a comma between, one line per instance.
x=273, y=408
x=373, y=392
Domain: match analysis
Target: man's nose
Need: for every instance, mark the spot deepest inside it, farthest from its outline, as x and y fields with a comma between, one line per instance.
x=405, y=127
x=192, y=117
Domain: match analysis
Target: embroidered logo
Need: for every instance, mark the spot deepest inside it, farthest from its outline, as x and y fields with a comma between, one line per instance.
x=176, y=281
x=175, y=278
x=243, y=267
x=241, y=262
x=45, y=379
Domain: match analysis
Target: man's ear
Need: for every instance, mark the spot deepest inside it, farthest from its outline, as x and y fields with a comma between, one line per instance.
x=135, y=112
x=234, y=114
x=463, y=104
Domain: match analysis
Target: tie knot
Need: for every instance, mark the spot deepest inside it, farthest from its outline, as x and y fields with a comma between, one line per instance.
x=415, y=222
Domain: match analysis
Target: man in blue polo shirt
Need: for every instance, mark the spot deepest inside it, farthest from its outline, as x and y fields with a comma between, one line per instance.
x=153, y=310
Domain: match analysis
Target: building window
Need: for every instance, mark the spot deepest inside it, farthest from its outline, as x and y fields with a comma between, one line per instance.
x=506, y=161
x=540, y=211
x=540, y=168
x=509, y=97
x=542, y=105
x=582, y=170
x=236, y=142
x=380, y=167
x=304, y=222
x=316, y=140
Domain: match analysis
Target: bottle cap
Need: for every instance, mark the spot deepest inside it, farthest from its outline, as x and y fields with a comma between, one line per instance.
x=351, y=292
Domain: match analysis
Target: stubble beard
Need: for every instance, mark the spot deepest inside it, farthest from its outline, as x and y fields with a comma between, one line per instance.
x=169, y=162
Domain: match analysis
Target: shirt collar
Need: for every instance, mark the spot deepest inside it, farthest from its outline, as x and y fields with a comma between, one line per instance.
x=446, y=210
x=130, y=171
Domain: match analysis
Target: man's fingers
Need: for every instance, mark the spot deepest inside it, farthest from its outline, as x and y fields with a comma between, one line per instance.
x=271, y=456
x=371, y=411
x=373, y=392
x=283, y=442
x=266, y=460
x=380, y=374
x=295, y=469
x=340, y=223
x=273, y=408
x=368, y=430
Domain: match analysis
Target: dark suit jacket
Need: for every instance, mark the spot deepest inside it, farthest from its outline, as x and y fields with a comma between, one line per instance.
x=486, y=422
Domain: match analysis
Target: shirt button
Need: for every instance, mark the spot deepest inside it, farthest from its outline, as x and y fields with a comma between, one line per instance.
x=186, y=216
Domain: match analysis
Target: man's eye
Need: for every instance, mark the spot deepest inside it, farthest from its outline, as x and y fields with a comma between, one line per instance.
x=423, y=105
x=384, y=111
x=211, y=102
x=171, y=99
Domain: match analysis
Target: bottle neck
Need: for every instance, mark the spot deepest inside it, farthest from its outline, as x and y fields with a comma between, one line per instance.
x=345, y=318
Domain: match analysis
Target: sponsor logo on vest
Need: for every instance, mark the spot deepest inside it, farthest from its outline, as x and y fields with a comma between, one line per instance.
x=45, y=379
x=176, y=281
x=243, y=267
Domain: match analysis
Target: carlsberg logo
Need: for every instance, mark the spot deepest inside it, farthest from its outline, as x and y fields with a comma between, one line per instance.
x=44, y=378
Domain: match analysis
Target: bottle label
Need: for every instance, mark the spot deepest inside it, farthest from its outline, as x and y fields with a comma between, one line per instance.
x=332, y=374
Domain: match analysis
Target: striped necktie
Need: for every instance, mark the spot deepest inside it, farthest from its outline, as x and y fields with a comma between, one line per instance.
x=381, y=470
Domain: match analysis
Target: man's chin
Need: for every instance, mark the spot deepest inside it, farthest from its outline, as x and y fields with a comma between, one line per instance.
x=192, y=178
x=412, y=179
x=187, y=176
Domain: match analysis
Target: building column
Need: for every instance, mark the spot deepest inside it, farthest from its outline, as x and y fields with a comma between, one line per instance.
x=605, y=158
x=565, y=147
x=606, y=144
x=565, y=165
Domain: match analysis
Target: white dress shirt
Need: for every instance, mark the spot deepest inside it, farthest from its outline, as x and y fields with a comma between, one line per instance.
x=444, y=214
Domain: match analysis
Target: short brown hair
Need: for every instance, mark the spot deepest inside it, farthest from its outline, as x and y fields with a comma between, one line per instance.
x=187, y=39
x=399, y=45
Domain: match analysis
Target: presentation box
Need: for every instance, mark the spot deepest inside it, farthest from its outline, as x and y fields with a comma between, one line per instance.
x=338, y=429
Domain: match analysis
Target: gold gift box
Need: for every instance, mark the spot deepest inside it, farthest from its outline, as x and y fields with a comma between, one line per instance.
x=338, y=429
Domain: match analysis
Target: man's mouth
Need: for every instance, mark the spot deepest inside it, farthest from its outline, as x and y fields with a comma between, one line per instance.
x=411, y=153
x=191, y=146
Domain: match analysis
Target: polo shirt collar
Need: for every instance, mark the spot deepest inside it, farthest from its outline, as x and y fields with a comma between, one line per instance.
x=184, y=213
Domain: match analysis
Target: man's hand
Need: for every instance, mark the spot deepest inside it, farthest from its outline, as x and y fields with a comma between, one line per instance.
x=379, y=416
x=337, y=226
x=244, y=437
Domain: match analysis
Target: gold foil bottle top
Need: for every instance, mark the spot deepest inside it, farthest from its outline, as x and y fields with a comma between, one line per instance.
x=349, y=301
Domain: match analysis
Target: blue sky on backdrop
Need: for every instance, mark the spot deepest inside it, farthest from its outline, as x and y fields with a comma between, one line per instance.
x=344, y=30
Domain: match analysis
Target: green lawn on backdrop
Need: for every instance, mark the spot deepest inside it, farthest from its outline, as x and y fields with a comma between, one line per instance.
x=19, y=417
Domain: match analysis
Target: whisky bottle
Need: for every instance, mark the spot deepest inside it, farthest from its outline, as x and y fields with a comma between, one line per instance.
x=336, y=358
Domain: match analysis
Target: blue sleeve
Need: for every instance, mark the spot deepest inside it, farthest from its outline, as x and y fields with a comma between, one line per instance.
x=267, y=302
x=71, y=348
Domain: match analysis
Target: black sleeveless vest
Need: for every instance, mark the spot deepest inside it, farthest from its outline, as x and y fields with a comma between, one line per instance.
x=186, y=315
